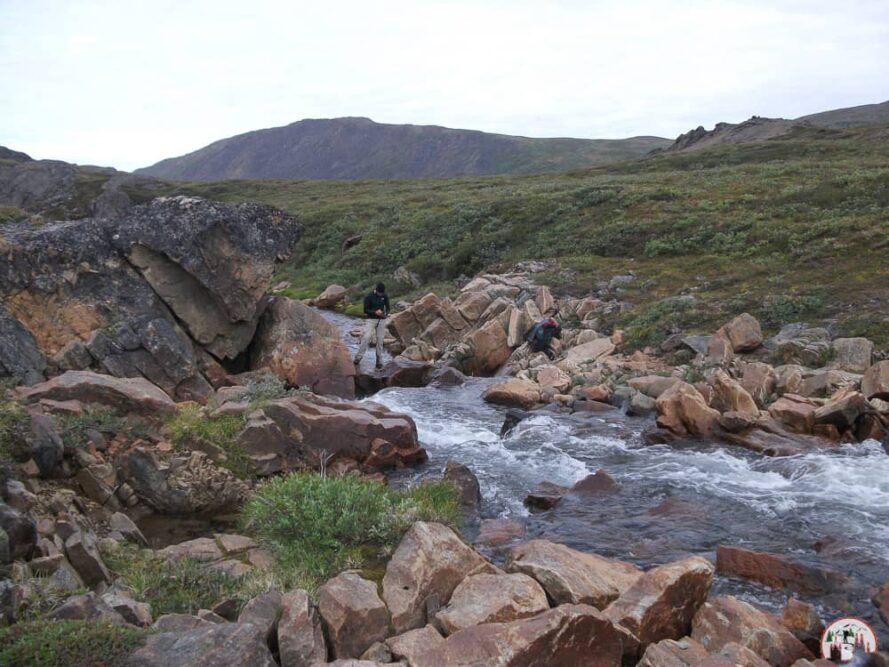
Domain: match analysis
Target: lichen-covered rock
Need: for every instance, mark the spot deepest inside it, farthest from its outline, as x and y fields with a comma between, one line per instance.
x=190, y=484
x=353, y=613
x=744, y=333
x=210, y=644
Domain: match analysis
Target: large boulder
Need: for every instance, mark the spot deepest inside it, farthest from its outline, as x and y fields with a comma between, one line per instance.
x=302, y=348
x=331, y=296
x=127, y=395
x=844, y=412
x=300, y=636
x=725, y=620
x=514, y=392
x=744, y=333
x=759, y=380
x=570, y=576
x=20, y=532
x=685, y=652
x=731, y=396
x=652, y=385
x=587, y=352
x=210, y=644
x=852, y=354
x=684, y=411
x=492, y=598
x=567, y=636
x=427, y=566
x=662, y=602
x=875, y=383
x=353, y=613
x=320, y=426
x=795, y=412
x=490, y=349
x=148, y=292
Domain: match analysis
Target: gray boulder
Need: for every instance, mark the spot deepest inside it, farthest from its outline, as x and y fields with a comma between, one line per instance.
x=212, y=645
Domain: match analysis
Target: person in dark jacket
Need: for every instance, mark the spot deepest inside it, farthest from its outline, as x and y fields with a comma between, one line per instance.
x=540, y=338
x=376, y=310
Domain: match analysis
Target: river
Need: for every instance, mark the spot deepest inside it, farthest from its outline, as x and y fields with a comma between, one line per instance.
x=829, y=509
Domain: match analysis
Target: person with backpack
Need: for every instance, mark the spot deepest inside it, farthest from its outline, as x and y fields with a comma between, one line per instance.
x=376, y=310
x=541, y=335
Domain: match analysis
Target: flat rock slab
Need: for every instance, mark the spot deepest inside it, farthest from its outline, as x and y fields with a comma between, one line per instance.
x=212, y=645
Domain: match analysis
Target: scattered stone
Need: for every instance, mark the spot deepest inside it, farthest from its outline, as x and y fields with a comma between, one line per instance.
x=546, y=496
x=127, y=395
x=570, y=576
x=682, y=410
x=133, y=612
x=492, y=598
x=597, y=484
x=513, y=392
x=210, y=616
x=447, y=376
x=567, y=636
x=662, y=602
x=875, y=383
x=20, y=532
x=744, y=332
x=353, y=613
x=331, y=297
x=202, y=549
x=497, y=532
x=300, y=637
x=413, y=643
x=211, y=644
x=795, y=412
x=178, y=623
x=84, y=556
x=430, y=561
x=803, y=621
x=467, y=484
x=685, y=652
x=86, y=607
x=723, y=620
x=776, y=571
x=263, y=612
x=122, y=524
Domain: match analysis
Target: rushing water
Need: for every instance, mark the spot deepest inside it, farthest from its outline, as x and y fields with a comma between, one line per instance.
x=828, y=508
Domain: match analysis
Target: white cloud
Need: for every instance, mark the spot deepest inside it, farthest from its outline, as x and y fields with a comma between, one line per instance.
x=127, y=83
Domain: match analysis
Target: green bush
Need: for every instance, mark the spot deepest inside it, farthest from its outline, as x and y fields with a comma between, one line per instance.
x=318, y=526
x=13, y=426
x=73, y=428
x=651, y=324
x=785, y=309
x=183, y=586
x=67, y=644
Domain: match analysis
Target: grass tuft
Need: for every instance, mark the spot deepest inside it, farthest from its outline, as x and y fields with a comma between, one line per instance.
x=318, y=526
x=67, y=644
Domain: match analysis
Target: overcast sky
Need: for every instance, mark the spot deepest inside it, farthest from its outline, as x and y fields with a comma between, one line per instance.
x=126, y=83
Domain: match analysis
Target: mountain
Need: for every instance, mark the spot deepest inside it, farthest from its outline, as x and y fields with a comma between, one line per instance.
x=359, y=148
x=866, y=114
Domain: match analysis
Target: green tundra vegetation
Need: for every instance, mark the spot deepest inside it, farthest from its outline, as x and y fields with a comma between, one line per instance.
x=796, y=227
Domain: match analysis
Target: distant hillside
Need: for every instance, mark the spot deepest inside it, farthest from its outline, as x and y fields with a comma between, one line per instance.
x=754, y=129
x=358, y=148
x=867, y=114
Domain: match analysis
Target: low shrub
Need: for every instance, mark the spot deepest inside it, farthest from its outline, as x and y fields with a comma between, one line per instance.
x=190, y=427
x=317, y=526
x=74, y=428
x=67, y=643
x=183, y=586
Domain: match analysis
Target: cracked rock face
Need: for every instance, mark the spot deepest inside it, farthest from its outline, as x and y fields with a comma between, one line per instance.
x=145, y=295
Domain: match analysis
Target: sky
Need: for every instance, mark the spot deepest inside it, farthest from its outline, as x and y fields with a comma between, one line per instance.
x=126, y=83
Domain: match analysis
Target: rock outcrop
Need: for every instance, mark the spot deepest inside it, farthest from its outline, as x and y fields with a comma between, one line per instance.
x=160, y=292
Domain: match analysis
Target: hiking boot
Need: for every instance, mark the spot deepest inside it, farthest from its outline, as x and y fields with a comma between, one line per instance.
x=379, y=365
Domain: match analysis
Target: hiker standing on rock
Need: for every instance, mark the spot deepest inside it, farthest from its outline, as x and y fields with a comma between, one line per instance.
x=541, y=336
x=376, y=310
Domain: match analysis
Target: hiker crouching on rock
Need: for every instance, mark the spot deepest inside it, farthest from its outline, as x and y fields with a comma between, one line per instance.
x=376, y=310
x=541, y=336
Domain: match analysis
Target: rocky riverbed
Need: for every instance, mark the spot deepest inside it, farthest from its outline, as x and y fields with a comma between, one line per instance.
x=712, y=501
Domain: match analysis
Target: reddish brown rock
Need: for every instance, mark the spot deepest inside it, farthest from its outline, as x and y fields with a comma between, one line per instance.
x=513, y=392
x=298, y=345
x=319, y=425
x=427, y=566
x=775, y=570
x=744, y=333
x=795, y=412
x=127, y=395
x=490, y=349
x=843, y=413
x=685, y=652
x=875, y=383
x=568, y=636
x=662, y=602
x=724, y=620
x=496, y=532
x=300, y=638
x=651, y=385
x=719, y=349
x=353, y=613
x=492, y=598
x=404, y=326
x=588, y=352
x=683, y=411
x=599, y=392
x=881, y=601
x=596, y=484
x=570, y=576
x=331, y=296
x=413, y=643
x=803, y=621
x=731, y=396
x=759, y=380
